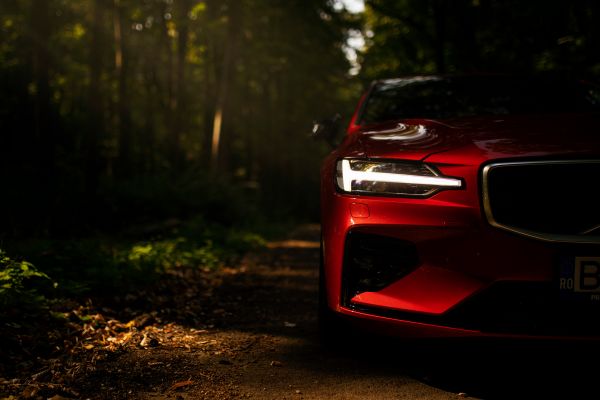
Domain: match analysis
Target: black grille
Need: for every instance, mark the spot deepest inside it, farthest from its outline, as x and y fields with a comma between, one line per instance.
x=548, y=198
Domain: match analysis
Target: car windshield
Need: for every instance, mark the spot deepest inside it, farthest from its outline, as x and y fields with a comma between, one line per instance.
x=445, y=97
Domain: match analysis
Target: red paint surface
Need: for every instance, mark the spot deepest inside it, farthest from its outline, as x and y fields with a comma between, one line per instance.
x=431, y=290
x=359, y=210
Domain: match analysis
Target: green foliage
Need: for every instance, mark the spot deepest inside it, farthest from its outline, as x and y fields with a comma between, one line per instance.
x=162, y=255
x=20, y=285
x=206, y=247
x=106, y=264
x=166, y=254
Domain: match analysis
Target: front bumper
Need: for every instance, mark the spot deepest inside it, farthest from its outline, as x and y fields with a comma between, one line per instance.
x=470, y=280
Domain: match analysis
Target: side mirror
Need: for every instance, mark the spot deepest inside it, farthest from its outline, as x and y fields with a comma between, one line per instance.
x=327, y=129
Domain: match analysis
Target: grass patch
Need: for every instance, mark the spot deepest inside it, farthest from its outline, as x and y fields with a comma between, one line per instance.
x=104, y=265
x=23, y=288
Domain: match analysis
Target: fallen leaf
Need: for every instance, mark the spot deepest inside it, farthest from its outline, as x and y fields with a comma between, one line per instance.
x=148, y=341
x=276, y=364
x=143, y=320
x=29, y=392
x=126, y=337
x=154, y=363
x=181, y=384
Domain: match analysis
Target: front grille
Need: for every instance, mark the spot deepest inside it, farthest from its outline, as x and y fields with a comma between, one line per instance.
x=549, y=200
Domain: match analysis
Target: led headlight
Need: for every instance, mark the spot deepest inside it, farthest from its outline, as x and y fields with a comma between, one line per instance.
x=403, y=178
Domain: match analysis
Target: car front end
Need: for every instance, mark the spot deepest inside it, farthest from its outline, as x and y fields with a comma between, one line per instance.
x=465, y=227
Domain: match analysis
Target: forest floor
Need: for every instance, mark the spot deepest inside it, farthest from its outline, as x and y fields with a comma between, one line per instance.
x=250, y=332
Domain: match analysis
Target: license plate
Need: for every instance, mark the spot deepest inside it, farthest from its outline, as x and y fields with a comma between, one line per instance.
x=580, y=278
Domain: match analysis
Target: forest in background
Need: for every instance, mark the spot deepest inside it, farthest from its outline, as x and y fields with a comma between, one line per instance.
x=119, y=111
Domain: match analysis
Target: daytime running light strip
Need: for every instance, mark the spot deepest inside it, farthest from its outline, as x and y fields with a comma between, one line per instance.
x=350, y=175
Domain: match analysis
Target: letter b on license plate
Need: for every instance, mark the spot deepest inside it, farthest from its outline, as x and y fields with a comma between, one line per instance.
x=580, y=278
x=587, y=274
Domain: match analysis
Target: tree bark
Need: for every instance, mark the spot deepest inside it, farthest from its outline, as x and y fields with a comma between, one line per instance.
x=439, y=15
x=170, y=92
x=210, y=81
x=223, y=91
x=125, y=134
x=180, y=98
x=465, y=41
x=43, y=135
x=96, y=119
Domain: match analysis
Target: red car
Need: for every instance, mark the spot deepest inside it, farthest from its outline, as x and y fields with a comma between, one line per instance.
x=465, y=206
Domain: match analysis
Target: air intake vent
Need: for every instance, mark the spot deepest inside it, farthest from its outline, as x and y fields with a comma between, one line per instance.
x=372, y=262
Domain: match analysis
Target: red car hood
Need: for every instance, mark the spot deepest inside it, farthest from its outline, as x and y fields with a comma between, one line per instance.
x=490, y=137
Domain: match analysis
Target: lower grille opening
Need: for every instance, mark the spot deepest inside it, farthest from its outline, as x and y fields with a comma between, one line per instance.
x=372, y=262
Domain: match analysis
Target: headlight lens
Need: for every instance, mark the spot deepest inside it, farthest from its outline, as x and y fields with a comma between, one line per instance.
x=391, y=178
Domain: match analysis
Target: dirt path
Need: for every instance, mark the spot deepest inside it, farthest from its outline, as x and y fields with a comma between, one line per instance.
x=260, y=343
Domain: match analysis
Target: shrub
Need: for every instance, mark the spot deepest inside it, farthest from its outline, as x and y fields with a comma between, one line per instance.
x=21, y=286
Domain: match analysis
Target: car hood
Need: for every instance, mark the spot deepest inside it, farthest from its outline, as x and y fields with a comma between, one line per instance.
x=490, y=137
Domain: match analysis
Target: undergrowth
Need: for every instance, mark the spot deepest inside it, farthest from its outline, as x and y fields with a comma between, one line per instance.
x=43, y=270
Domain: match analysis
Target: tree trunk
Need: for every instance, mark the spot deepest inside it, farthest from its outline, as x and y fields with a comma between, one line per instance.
x=223, y=91
x=40, y=148
x=43, y=135
x=210, y=81
x=465, y=42
x=179, y=100
x=95, y=119
x=439, y=15
x=125, y=134
x=170, y=100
